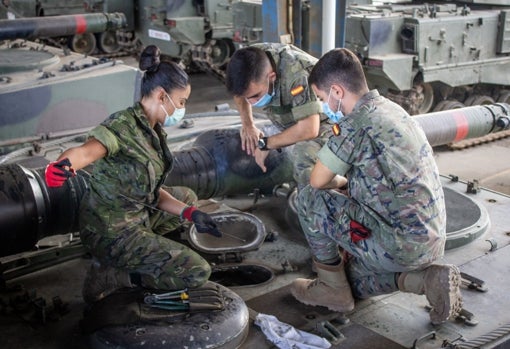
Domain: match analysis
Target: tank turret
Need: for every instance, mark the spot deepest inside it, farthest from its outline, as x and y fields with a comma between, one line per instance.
x=47, y=92
x=44, y=27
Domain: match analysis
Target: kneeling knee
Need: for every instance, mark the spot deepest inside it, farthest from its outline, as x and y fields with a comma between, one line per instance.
x=200, y=276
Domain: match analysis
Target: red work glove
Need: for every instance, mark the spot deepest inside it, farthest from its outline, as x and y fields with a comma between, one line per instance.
x=57, y=172
x=358, y=232
x=203, y=222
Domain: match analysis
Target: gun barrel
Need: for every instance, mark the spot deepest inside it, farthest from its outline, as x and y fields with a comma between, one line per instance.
x=470, y=122
x=52, y=26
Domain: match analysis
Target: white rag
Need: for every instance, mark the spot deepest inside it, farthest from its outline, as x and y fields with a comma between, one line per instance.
x=284, y=336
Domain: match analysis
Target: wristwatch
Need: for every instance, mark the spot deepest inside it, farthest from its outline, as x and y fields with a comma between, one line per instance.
x=262, y=144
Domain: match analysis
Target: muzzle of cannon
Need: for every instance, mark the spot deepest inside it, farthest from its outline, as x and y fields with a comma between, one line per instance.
x=214, y=166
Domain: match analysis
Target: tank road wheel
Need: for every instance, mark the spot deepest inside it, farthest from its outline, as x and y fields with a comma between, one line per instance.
x=107, y=42
x=504, y=97
x=83, y=43
x=424, y=98
x=448, y=104
x=221, y=51
x=478, y=100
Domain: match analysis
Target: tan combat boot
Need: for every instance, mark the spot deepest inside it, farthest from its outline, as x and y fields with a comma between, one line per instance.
x=440, y=284
x=331, y=288
x=102, y=281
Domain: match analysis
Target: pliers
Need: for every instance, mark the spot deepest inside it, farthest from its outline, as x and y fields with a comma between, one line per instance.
x=199, y=299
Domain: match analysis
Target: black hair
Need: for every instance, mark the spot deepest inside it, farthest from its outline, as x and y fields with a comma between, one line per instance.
x=246, y=65
x=339, y=66
x=165, y=74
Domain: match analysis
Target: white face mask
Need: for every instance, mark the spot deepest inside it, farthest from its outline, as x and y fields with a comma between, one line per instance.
x=176, y=116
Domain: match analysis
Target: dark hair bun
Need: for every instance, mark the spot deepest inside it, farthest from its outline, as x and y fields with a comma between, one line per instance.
x=149, y=60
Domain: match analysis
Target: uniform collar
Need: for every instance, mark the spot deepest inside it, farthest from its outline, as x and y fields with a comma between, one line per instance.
x=372, y=94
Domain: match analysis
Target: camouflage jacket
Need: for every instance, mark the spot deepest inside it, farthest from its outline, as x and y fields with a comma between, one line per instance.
x=294, y=99
x=136, y=165
x=390, y=167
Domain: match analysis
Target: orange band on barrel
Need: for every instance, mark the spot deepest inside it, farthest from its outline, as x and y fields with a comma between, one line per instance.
x=81, y=24
x=462, y=126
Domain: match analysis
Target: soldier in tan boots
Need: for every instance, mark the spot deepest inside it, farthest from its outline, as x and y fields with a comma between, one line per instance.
x=391, y=221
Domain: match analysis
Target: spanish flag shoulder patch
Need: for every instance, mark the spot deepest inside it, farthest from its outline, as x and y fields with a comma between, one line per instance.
x=297, y=90
x=336, y=129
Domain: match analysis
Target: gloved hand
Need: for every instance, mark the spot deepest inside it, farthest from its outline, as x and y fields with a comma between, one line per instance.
x=57, y=172
x=203, y=222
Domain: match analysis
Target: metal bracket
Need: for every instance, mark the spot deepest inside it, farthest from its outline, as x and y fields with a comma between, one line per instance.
x=467, y=317
x=18, y=265
x=330, y=332
x=430, y=335
x=464, y=315
x=473, y=187
x=473, y=283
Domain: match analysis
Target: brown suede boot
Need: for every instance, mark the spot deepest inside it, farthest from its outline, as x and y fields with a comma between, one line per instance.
x=102, y=281
x=331, y=288
x=441, y=286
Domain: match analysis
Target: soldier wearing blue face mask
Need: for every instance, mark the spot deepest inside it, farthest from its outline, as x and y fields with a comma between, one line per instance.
x=275, y=77
x=176, y=116
x=387, y=232
x=126, y=210
x=333, y=116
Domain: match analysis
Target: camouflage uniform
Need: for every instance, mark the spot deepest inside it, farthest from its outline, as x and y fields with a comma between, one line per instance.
x=394, y=191
x=115, y=223
x=294, y=100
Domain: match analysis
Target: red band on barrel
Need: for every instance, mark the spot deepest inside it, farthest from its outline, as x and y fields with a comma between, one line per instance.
x=81, y=24
x=462, y=126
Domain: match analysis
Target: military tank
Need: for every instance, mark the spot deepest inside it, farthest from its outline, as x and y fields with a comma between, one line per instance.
x=102, y=41
x=202, y=34
x=434, y=55
x=260, y=254
x=45, y=92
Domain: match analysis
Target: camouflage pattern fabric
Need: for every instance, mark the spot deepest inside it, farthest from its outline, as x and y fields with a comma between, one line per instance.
x=116, y=224
x=304, y=155
x=295, y=100
x=394, y=191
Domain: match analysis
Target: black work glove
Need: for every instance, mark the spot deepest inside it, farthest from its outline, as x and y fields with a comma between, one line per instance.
x=203, y=222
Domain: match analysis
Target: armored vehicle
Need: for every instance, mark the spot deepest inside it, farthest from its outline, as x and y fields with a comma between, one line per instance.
x=47, y=92
x=200, y=33
x=434, y=55
x=43, y=264
x=47, y=107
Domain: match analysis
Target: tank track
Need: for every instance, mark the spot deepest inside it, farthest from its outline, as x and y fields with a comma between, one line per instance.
x=479, y=140
x=201, y=57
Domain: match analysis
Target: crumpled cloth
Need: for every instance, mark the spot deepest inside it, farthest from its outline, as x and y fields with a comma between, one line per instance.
x=285, y=336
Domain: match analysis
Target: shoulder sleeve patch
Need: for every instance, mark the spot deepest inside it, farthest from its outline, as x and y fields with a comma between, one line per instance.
x=297, y=90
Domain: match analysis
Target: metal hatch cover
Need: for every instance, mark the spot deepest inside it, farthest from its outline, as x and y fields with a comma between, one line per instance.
x=16, y=60
x=466, y=220
x=241, y=232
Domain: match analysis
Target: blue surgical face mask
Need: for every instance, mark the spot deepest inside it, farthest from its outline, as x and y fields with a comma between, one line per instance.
x=333, y=116
x=176, y=116
x=265, y=99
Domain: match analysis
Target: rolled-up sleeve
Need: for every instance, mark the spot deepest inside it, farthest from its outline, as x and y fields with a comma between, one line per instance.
x=303, y=111
x=106, y=137
x=332, y=161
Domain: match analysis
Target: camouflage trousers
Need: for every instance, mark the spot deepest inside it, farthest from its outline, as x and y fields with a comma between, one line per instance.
x=373, y=263
x=304, y=155
x=140, y=249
